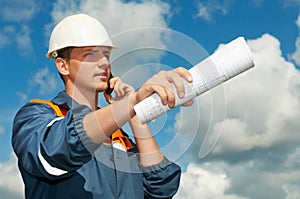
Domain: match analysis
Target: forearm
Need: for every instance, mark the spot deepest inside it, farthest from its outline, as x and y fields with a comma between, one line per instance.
x=101, y=123
x=150, y=153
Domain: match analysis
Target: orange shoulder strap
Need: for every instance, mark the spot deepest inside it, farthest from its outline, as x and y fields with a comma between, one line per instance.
x=55, y=108
x=117, y=136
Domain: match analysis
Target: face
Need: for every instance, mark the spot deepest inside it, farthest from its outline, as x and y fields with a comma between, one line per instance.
x=89, y=68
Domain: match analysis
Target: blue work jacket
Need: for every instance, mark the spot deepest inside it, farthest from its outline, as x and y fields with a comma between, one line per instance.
x=58, y=160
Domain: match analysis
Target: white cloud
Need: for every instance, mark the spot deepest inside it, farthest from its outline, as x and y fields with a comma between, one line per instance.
x=292, y=191
x=296, y=54
x=16, y=31
x=25, y=10
x=242, y=180
x=11, y=184
x=200, y=182
x=260, y=131
x=261, y=104
x=206, y=9
x=18, y=35
x=24, y=42
x=45, y=80
x=204, y=12
x=6, y=37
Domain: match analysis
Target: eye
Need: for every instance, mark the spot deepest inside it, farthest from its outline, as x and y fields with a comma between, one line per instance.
x=90, y=54
x=107, y=55
x=96, y=54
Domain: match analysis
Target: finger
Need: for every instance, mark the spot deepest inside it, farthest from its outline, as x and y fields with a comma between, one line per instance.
x=128, y=89
x=113, y=81
x=188, y=103
x=122, y=89
x=177, y=80
x=148, y=89
x=117, y=89
x=170, y=97
x=120, y=93
x=162, y=93
x=118, y=84
x=184, y=73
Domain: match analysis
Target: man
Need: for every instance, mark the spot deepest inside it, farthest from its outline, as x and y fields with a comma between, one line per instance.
x=80, y=152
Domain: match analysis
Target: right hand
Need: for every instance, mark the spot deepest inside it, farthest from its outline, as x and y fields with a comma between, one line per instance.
x=120, y=89
x=161, y=84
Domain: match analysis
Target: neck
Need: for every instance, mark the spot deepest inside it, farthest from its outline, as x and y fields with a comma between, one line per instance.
x=84, y=97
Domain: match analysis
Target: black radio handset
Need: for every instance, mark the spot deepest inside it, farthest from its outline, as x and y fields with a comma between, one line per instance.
x=109, y=90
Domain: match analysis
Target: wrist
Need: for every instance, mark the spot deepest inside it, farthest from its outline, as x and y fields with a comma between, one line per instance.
x=122, y=110
x=132, y=101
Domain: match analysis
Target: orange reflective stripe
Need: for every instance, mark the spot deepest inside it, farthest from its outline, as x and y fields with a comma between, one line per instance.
x=55, y=108
x=119, y=137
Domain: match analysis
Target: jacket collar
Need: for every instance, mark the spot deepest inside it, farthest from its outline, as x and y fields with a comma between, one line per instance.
x=64, y=100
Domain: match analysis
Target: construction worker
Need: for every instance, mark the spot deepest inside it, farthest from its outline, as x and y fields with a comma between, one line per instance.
x=70, y=148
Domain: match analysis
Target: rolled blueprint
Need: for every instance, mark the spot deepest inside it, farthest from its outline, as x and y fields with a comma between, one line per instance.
x=227, y=62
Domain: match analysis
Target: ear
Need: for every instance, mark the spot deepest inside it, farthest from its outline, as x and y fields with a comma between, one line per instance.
x=62, y=66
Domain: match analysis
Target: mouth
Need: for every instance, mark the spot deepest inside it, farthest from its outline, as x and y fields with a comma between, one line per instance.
x=102, y=75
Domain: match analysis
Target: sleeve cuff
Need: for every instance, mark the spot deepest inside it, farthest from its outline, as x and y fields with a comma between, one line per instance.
x=157, y=167
x=79, y=112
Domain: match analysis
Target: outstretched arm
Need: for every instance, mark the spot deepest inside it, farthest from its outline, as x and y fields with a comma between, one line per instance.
x=113, y=116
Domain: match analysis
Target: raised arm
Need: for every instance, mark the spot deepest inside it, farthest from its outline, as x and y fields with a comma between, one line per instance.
x=101, y=123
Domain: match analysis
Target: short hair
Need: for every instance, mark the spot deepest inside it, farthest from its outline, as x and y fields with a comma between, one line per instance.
x=64, y=53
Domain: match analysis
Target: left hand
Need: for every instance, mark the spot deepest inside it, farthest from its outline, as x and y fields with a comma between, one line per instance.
x=120, y=89
x=163, y=84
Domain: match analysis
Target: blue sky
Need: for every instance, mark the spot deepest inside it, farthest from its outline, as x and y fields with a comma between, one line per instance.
x=257, y=155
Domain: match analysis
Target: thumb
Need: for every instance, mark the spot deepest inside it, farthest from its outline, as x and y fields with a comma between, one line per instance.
x=108, y=98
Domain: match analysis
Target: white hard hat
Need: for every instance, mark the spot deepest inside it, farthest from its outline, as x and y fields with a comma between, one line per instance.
x=77, y=31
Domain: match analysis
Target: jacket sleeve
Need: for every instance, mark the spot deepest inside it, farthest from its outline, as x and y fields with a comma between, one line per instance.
x=161, y=181
x=50, y=146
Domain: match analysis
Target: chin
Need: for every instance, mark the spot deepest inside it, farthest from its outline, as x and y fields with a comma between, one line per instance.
x=101, y=89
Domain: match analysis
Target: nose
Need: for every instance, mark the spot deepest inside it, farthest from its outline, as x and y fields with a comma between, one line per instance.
x=103, y=63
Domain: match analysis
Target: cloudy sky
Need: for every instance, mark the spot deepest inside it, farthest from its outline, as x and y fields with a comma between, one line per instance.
x=255, y=115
